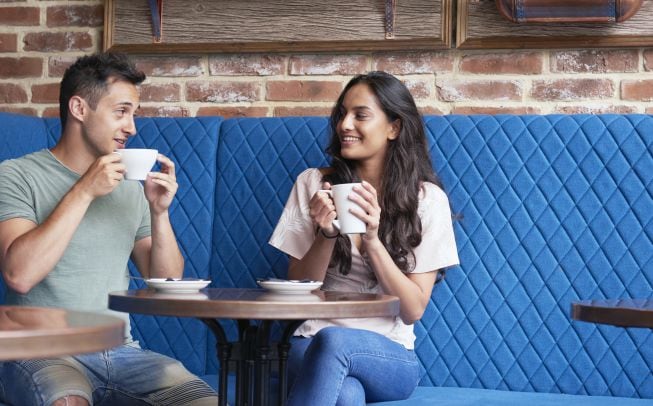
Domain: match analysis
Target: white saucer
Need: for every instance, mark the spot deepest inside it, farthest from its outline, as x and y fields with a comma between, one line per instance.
x=177, y=286
x=289, y=287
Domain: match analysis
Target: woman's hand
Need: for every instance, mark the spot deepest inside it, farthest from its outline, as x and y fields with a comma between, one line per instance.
x=322, y=210
x=370, y=211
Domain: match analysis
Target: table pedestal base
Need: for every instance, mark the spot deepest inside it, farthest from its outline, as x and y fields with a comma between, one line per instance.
x=253, y=355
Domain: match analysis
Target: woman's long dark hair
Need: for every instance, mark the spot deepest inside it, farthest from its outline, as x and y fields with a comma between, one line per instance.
x=407, y=165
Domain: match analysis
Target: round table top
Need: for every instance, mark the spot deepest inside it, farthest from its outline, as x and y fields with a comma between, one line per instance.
x=617, y=312
x=254, y=304
x=40, y=332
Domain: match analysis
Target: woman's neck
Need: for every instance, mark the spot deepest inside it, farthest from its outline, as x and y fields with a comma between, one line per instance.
x=372, y=174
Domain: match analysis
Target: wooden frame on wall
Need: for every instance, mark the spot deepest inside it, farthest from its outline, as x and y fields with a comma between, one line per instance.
x=480, y=25
x=277, y=26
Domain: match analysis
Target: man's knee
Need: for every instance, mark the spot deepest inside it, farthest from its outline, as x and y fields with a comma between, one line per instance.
x=71, y=401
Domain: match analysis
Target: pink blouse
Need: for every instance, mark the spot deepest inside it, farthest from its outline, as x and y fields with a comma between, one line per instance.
x=295, y=234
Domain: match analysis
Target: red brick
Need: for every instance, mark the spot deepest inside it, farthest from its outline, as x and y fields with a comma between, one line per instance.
x=649, y=110
x=58, y=41
x=596, y=109
x=161, y=92
x=20, y=67
x=20, y=16
x=301, y=111
x=57, y=65
x=51, y=112
x=228, y=112
x=170, y=66
x=249, y=64
x=637, y=90
x=8, y=42
x=595, y=61
x=12, y=93
x=523, y=63
x=303, y=90
x=75, y=16
x=430, y=111
x=648, y=60
x=327, y=64
x=28, y=111
x=413, y=62
x=163, y=111
x=420, y=89
x=223, y=92
x=495, y=110
x=48, y=93
x=457, y=90
x=572, y=89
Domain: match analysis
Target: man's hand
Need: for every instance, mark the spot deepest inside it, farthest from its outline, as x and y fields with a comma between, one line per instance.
x=160, y=187
x=102, y=177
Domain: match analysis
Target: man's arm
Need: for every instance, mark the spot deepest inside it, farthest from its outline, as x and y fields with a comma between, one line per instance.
x=158, y=256
x=28, y=252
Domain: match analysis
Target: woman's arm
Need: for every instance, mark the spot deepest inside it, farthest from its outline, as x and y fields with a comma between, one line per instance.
x=315, y=262
x=413, y=290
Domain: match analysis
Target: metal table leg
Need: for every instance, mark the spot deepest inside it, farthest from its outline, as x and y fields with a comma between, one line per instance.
x=224, y=354
x=284, y=348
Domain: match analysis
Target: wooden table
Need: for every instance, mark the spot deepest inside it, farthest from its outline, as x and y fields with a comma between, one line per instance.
x=246, y=306
x=617, y=312
x=40, y=332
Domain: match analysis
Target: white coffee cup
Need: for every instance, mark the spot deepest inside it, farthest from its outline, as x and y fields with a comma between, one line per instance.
x=139, y=162
x=346, y=222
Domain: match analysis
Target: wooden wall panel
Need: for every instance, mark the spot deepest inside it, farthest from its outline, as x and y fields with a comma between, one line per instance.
x=277, y=25
x=481, y=26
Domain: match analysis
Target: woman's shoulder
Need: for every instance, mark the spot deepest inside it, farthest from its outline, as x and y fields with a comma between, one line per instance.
x=432, y=193
x=310, y=176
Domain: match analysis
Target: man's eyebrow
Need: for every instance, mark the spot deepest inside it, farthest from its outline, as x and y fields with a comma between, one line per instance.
x=125, y=103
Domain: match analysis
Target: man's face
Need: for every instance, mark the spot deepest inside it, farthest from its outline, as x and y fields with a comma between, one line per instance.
x=108, y=127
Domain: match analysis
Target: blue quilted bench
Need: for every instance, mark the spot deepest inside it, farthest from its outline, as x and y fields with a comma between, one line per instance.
x=553, y=209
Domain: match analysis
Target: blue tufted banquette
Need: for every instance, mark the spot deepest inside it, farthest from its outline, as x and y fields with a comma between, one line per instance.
x=551, y=209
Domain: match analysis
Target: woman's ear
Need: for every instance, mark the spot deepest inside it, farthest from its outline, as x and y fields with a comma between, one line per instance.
x=77, y=107
x=395, y=129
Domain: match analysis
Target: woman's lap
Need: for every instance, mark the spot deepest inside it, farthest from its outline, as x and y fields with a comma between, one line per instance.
x=319, y=367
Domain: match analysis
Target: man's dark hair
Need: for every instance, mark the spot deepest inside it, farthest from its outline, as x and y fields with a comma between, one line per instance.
x=90, y=76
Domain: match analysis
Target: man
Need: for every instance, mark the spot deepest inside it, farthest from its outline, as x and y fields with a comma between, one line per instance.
x=68, y=225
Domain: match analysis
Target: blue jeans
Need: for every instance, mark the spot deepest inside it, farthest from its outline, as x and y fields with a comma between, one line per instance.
x=347, y=367
x=126, y=375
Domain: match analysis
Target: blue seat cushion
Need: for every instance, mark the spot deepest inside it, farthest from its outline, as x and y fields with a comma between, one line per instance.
x=428, y=395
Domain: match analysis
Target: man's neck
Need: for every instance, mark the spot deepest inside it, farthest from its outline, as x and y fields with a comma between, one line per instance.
x=72, y=152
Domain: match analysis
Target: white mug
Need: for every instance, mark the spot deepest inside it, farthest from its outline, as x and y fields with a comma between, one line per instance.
x=346, y=222
x=138, y=161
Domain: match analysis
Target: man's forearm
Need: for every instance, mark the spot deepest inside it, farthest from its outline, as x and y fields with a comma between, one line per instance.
x=32, y=255
x=165, y=258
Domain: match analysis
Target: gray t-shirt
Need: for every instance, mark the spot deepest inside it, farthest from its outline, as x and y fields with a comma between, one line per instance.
x=95, y=261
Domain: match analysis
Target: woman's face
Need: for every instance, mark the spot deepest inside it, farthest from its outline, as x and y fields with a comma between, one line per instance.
x=364, y=130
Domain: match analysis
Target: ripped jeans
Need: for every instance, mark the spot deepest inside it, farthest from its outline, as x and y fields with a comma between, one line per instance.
x=125, y=375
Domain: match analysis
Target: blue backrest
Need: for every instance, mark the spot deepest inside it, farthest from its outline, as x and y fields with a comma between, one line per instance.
x=191, y=143
x=555, y=208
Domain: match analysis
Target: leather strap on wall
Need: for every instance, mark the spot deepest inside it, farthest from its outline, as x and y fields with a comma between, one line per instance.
x=390, y=11
x=156, y=13
x=527, y=11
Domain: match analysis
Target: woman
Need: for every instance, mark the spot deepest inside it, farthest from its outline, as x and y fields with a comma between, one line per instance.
x=377, y=139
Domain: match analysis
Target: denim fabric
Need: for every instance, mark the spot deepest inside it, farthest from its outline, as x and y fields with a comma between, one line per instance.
x=126, y=375
x=344, y=366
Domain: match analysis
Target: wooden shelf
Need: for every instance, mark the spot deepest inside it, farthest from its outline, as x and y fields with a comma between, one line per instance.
x=277, y=25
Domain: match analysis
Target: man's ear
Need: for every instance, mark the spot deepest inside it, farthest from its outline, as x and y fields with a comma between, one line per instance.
x=77, y=107
x=395, y=129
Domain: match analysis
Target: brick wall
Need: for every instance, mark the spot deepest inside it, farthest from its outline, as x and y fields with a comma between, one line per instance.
x=39, y=39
